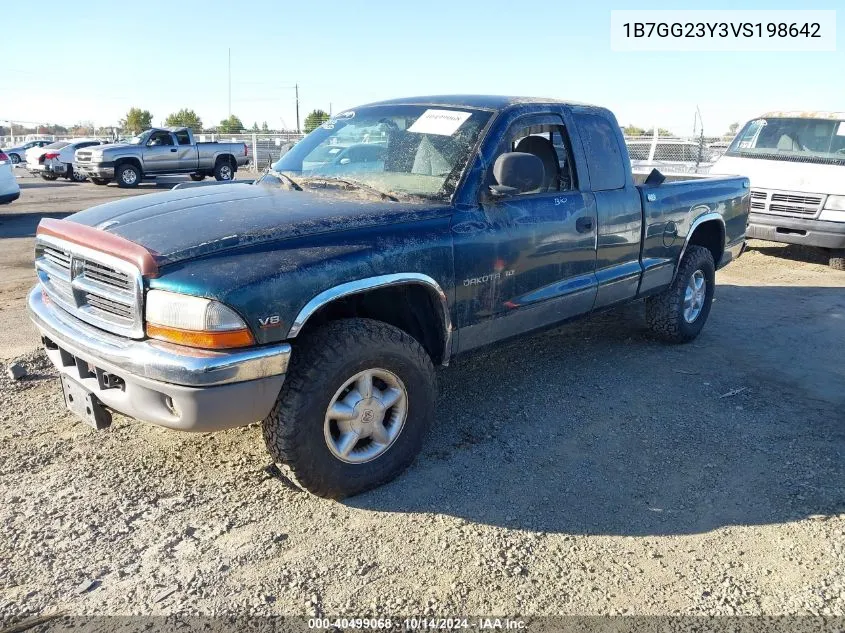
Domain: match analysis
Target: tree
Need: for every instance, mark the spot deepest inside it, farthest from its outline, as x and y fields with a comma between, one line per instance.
x=660, y=132
x=137, y=120
x=633, y=130
x=255, y=127
x=232, y=124
x=732, y=129
x=184, y=118
x=315, y=119
x=264, y=127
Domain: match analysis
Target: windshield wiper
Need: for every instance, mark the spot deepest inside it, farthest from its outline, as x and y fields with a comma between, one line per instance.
x=355, y=184
x=293, y=184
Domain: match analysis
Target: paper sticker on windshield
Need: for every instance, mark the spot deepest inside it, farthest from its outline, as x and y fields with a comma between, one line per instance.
x=443, y=122
x=840, y=131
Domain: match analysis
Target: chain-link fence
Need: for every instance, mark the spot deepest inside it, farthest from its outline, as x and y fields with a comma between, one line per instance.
x=672, y=154
x=669, y=154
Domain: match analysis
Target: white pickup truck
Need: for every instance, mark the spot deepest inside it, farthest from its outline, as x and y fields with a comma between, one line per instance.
x=160, y=151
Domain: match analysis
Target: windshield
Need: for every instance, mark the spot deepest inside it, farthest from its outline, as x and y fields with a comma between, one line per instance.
x=398, y=150
x=57, y=145
x=809, y=140
x=140, y=139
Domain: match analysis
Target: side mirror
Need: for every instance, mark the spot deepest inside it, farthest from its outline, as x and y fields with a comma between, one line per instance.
x=154, y=143
x=345, y=161
x=517, y=172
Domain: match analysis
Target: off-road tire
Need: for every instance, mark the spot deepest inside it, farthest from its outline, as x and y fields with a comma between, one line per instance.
x=320, y=364
x=197, y=177
x=665, y=311
x=837, y=259
x=49, y=176
x=100, y=181
x=118, y=175
x=219, y=169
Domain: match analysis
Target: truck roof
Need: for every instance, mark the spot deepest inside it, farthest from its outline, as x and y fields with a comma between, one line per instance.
x=803, y=114
x=488, y=102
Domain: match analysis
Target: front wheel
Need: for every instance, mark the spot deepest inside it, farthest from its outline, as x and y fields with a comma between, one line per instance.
x=223, y=170
x=678, y=313
x=128, y=175
x=14, y=158
x=49, y=176
x=837, y=259
x=74, y=175
x=354, y=409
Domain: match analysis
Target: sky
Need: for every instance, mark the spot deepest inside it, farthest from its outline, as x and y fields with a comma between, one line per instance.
x=84, y=61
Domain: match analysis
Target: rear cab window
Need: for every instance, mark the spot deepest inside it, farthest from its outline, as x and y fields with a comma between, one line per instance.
x=605, y=162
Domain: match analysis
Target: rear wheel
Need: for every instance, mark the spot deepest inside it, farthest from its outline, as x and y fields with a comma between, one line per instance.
x=100, y=181
x=678, y=313
x=127, y=175
x=837, y=259
x=354, y=409
x=223, y=170
x=49, y=176
x=14, y=158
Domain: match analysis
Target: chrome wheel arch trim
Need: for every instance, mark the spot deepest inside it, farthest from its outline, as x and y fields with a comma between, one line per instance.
x=372, y=283
x=709, y=216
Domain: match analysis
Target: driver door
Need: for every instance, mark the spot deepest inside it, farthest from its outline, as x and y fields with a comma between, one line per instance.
x=526, y=260
x=160, y=154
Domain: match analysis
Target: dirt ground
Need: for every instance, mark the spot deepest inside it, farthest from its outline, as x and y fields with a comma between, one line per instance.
x=585, y=470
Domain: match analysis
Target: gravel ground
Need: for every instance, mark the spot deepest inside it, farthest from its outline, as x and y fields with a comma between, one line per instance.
x=585, y=470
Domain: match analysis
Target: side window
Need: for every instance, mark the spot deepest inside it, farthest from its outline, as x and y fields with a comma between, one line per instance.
x=604, y=157
x=183, y=138
x=550, y=143
x=160, y=138
x=87, y=144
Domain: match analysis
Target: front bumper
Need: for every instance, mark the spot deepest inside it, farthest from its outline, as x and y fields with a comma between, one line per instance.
x=796, y=230
x=169, y=385
x=96, y=170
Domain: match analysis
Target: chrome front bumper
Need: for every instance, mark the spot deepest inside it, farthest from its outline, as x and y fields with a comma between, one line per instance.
x=170, y=385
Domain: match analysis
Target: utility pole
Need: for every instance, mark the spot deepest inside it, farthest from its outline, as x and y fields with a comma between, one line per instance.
x=230, y=83
x=297, y=108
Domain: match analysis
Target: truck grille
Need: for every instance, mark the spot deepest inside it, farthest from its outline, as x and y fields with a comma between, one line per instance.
x=797, y=205
x=95, y=287
x=83, y=157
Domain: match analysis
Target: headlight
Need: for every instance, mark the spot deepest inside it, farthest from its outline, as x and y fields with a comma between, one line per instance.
x=194, y=321
x=834, y=209
x=837, y=203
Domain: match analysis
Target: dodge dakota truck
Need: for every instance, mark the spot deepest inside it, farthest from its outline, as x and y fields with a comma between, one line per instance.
x=157, y=152
x=319, y=301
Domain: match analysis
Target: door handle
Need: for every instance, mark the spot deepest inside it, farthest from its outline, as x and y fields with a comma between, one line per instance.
x=173, y=150
x=584, y=224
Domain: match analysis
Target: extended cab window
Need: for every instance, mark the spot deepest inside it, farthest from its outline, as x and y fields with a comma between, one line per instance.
x=183, y=138
x=604, y=156
x=550, y=143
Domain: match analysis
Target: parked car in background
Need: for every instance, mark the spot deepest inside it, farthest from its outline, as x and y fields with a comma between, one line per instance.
x=796, y=164
x=17, y=154
x=9, y=189
x=160, y=151
x=56, y=159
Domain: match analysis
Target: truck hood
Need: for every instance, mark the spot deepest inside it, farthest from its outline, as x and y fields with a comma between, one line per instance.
x=115, y=146
x=785, y=175
x=197, y=221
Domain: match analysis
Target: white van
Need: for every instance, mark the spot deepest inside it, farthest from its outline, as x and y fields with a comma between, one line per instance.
x=796, y=164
